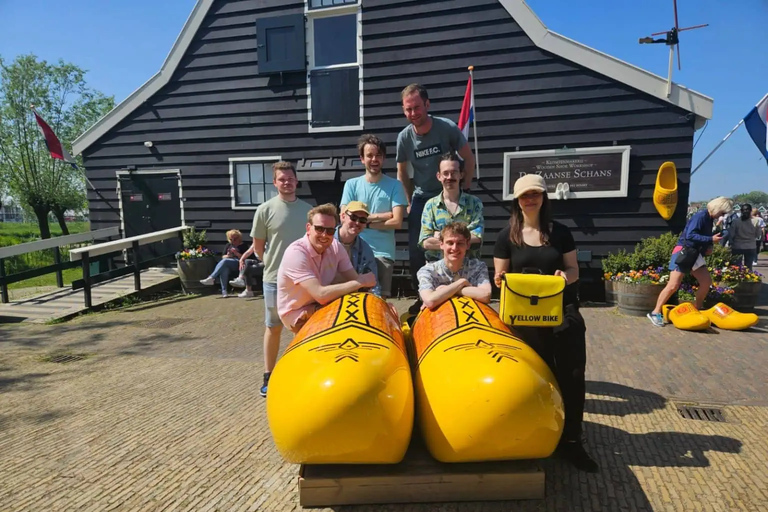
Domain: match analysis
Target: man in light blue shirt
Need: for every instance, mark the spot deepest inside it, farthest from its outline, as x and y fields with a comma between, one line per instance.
x=385, y=199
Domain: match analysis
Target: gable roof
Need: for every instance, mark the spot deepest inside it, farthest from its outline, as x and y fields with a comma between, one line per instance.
x=542, y=37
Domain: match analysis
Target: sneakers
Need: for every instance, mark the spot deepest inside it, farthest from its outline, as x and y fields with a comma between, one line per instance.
x=208, y=281
x=245, y=293
x=656, y=319
x=574, y=453
x=263, y=390
x=238, y=283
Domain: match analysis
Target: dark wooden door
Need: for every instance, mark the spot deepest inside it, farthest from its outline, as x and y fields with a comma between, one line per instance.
x=151, y=203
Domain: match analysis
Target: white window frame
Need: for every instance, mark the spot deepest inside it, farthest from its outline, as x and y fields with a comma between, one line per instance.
x=324, y=12
x=621, y=192
x=232, y=184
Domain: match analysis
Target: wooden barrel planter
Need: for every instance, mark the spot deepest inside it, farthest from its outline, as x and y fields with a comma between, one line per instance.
x=745, y=296
x=192, y=271
x=637, y=299
x=611, y=292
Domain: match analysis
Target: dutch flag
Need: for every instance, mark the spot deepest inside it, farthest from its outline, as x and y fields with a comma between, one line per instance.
x=467, y=110
x=53, y=143
x=756, y=122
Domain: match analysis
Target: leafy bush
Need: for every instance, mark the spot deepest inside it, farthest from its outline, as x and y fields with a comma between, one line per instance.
x=194, y=239
x=616, y=262
x=720, y=258
x=653, y=252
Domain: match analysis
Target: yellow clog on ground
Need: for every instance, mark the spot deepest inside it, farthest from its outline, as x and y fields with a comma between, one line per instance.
x=665, y=193
x=686, y=317
x=726, y=318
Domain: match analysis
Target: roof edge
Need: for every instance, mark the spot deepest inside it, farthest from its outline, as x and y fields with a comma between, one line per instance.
x=607, y=65
x=151, y=86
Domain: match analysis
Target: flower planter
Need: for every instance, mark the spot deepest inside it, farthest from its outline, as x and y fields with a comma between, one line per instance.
x=745, y=296
x=611, y=292
x=637, y=299
x=192, y=271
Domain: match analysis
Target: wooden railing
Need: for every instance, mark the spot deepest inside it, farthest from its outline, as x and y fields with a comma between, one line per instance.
x=86, y=254
x=41, y=245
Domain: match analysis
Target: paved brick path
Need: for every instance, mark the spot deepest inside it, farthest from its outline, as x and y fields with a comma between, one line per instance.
x=164, y=415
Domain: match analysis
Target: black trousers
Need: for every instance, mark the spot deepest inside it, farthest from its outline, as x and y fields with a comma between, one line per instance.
x=564, y=349
x=415, y=253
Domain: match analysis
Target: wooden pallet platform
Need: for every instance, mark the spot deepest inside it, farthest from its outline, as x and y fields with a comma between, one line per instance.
x=419, y=479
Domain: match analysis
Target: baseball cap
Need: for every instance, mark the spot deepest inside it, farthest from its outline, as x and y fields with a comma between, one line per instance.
x=356, y=206
x=527, y=183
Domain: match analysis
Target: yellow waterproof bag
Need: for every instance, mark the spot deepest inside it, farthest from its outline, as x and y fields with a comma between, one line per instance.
x=532, y=300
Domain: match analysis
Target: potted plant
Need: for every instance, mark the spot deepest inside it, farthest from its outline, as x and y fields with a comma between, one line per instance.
x=195, y=261
x=613, y=265
x=638, y=290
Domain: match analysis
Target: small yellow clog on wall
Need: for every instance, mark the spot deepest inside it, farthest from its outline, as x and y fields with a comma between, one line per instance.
x=665, y=193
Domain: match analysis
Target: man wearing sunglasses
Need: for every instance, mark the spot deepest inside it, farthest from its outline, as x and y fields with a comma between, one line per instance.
x=354, y=218
x=309, y=267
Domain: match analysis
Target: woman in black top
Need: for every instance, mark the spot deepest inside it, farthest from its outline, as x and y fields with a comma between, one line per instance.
x=534, y=243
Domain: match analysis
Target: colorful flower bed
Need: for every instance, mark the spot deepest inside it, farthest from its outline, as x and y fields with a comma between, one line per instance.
x=197, y=252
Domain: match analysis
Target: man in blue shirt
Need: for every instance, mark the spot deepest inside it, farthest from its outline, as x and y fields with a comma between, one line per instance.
x=385, y=199
x=353, y=220
x=419, y=148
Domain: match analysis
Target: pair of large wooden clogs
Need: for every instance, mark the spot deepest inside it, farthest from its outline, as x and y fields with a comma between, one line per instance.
x=688, y=318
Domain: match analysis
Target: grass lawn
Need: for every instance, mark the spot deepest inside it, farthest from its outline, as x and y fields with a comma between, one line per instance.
x=69, y=275
x=13, y=233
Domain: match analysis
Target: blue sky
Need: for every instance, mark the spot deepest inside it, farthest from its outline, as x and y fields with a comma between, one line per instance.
x=123, y=43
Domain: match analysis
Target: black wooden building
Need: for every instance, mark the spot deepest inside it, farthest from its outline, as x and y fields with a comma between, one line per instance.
x=249, y=82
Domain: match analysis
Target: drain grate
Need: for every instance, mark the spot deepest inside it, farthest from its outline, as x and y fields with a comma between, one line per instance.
x=163, y=323
x=64, y=357
x=691, y=412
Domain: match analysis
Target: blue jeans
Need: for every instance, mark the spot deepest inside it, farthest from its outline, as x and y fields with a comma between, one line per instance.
x=271, y=317
x=223, y=269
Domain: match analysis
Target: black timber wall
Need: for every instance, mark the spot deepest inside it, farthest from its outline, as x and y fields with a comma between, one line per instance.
x=217, y=107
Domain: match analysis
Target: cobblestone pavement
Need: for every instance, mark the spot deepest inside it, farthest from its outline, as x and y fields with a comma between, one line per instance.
x=163, y=414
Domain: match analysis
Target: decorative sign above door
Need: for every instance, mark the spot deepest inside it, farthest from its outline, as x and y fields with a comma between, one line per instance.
x=580, y=173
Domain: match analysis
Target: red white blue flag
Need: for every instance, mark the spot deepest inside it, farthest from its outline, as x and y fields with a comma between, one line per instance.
x=467, y=110
x=756, y=122
x=52, y=141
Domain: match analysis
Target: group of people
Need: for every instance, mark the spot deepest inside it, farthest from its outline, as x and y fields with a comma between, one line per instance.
x=314, y=255
x=744, y=232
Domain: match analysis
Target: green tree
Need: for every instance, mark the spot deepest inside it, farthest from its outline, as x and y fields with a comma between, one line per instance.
x=61, y=96
x=756, y=197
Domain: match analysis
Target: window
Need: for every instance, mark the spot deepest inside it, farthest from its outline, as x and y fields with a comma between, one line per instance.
x=319, y=4
x=281, y=44
x=251, y=180
x=334, y=81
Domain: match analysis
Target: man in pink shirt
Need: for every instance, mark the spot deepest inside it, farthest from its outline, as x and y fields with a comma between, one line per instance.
x=310, y=265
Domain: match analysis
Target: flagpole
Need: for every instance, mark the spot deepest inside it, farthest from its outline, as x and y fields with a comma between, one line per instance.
x=474, y=119
x=724, y=139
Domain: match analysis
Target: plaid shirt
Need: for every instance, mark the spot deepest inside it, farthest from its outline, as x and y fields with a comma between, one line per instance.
x=363, y=260
x=436, y=216
x=437, y=274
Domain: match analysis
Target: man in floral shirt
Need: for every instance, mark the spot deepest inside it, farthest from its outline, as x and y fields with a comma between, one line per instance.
x=451, y=205
x=453, y=275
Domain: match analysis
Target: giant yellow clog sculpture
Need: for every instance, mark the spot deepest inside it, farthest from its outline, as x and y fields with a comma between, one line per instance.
x=481, y=393
x=665, y=193
x=685, y=317
x=342, y=393
x=726, y=318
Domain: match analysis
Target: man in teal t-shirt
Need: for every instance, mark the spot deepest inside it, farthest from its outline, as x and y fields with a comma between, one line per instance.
x=386, y=202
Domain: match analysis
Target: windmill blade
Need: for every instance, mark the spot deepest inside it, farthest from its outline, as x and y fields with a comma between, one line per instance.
x=676, y=24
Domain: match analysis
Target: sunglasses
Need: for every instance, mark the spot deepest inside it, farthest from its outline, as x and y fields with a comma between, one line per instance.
x=355, y=218
x=322, y=229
